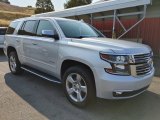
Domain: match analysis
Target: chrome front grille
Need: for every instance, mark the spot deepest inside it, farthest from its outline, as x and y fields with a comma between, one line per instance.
x=145, y=68
x=142, y=58
x=143, y=64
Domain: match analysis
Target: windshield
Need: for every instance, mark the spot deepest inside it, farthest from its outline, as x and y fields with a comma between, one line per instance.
x=78, y=29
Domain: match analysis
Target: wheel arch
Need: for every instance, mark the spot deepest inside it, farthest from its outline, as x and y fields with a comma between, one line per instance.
x=10, y=49
x=70, y=63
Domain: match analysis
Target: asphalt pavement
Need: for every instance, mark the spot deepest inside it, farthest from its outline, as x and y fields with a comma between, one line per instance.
x=28, y=97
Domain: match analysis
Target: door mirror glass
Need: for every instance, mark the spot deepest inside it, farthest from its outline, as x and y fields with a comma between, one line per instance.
x=50, y=33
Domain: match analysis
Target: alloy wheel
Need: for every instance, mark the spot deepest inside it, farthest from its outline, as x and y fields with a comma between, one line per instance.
x=76, y=87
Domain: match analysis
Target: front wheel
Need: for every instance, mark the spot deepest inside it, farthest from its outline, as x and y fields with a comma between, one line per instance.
x=14, y=64
x=79, y=86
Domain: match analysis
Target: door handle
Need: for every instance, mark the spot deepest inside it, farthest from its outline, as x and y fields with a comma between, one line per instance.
x=17, y=41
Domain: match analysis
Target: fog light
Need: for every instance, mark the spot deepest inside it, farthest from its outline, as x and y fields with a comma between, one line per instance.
x=119, y=93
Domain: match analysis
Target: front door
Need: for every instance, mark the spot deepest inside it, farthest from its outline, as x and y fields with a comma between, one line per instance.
x=45, y=49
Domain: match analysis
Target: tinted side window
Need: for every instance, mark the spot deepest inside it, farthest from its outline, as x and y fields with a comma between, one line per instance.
x=44, y=25
x=12, y=27
x=3, y=31
x=29, y=28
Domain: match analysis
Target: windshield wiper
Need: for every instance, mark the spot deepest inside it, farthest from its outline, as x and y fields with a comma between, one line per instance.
x=85, y=36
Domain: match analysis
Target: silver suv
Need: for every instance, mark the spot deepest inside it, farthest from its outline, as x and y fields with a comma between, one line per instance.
x=78, y=56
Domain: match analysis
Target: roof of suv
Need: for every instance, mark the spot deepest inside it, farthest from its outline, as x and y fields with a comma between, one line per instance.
x=35, y=18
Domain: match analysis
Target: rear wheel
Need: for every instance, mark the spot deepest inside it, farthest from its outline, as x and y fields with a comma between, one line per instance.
x=78, y=86
x=14, y=64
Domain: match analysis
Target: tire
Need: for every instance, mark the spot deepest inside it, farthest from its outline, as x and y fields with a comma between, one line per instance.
x=14, y=63
x=78, y=86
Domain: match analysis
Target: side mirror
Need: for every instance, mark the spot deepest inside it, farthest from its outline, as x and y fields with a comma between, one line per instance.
x=50, y=33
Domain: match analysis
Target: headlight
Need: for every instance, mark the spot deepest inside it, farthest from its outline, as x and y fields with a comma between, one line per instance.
x=119, y=64
x=115, y=58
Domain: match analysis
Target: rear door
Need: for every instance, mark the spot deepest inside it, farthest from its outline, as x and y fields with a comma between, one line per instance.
x=27, y=35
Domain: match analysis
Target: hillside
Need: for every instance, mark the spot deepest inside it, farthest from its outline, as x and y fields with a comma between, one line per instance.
x=10, y=12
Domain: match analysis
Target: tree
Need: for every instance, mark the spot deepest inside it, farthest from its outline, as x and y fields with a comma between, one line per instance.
x=29, y=6
x=74, y=3
x=43, y=6
x=5, y=1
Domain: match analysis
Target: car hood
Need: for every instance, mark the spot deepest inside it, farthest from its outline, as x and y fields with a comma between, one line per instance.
x=113, y=45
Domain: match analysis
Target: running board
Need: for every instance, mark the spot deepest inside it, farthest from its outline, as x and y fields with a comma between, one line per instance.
x=41, y=74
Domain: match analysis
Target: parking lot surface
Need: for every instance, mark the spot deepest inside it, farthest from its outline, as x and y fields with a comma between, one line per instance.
x=28, y=97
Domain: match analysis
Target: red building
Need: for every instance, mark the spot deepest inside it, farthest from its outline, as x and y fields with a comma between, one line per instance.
x=148, y=30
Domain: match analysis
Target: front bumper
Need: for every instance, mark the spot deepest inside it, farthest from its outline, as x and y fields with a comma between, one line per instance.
x=110, y=86
x=131, y=93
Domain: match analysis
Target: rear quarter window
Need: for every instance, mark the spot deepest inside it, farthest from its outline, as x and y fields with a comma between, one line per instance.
x=12, y=27
x=3, y=31
x=28, y=28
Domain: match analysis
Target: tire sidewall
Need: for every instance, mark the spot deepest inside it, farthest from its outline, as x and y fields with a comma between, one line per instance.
x=85, y=74
x=18, y=65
